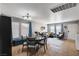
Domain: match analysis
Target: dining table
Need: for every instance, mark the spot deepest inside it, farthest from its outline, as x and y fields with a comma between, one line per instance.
x=37, y=39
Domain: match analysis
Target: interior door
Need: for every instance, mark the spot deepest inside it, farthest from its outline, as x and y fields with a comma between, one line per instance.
x=72, y=31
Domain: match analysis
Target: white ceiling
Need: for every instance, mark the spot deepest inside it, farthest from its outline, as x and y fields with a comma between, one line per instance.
x=39, y=11
x=71, y=14
x=36, y=10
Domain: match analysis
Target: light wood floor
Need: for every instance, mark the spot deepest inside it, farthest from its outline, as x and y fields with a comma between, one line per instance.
x=56, y=47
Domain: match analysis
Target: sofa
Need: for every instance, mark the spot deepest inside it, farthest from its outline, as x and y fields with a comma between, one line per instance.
x=51, y=35
x=60, y=35
x=17, y=41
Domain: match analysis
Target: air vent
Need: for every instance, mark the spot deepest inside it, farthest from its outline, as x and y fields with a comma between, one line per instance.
x=63, y=7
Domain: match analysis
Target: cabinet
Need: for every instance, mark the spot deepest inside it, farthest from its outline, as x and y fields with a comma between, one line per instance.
x=5, y=35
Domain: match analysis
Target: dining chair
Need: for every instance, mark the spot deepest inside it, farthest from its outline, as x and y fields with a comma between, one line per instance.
x=43, y=43
x=32, y=45
x=24, y=43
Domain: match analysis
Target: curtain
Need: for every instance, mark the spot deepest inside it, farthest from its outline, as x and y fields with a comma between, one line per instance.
x=30, y=29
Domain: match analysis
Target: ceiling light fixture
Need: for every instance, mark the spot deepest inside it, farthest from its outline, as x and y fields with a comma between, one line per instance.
x=27, y=17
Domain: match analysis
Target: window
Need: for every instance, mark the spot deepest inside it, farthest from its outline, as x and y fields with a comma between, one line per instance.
x=15, y=29
x=58, y=29
x=24, y=29
x=52, y=28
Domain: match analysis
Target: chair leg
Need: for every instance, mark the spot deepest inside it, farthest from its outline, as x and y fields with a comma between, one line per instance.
x=22, y=48
x=35, y=51
x=46, y=46
x=27, y=51
x=44, y=49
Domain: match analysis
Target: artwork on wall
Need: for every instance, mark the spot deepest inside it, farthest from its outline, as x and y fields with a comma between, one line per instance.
x=42, y=28
x=65, y=27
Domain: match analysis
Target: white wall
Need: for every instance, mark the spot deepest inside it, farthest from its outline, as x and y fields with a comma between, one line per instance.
x=36, y=25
